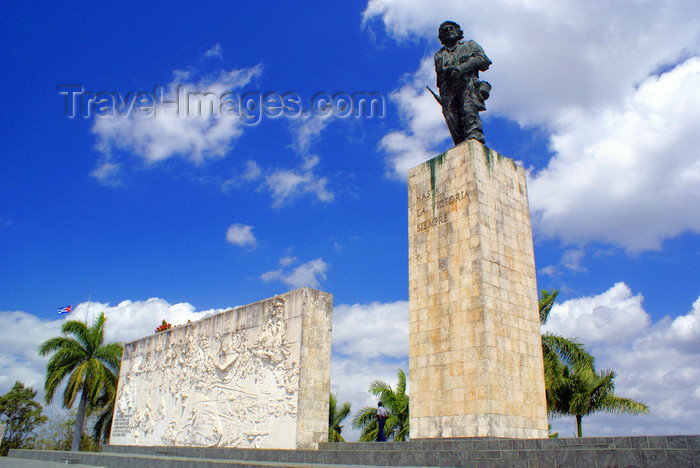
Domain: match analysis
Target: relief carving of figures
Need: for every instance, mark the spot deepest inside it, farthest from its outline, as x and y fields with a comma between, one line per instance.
x=202, y=390
x=272, y=341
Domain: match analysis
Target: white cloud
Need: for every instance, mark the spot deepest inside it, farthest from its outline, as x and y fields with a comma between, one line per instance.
x=107, y=172
x=241, y=235
x=288, y=184
x=130, y=320
x=287, y=260
x=571, y=259
x=627, y=176
x=308, y=274
x=610, y=317
x=20, y=337
x=626, y=169
x=215, y=51
x=306, y=131
x=251, y=172
x=173, y=132
x=285, y=185
x=371, y=330
x=684, y=331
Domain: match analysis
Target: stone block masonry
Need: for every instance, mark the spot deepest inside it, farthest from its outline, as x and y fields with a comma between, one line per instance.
x=256, y=376
x=475, y=356
x=678, y=451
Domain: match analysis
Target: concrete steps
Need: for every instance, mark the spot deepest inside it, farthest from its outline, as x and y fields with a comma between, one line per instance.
x=591, y=452
x=45, y=459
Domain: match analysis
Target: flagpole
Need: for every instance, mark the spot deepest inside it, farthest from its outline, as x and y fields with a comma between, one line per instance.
x=88, y=308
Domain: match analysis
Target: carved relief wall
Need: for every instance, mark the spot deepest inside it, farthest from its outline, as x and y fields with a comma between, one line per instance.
x=252, y=376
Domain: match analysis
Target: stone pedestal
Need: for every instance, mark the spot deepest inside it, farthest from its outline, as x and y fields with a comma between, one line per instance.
x=475, y=355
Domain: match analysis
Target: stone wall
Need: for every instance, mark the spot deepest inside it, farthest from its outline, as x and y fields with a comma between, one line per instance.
x=678, y=451
x=475, y=357
x=254, y=376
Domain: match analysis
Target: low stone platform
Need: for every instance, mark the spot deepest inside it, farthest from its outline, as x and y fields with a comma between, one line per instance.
x=589, y=452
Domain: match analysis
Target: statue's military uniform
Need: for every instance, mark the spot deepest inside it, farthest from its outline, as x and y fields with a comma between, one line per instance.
x=461, y=93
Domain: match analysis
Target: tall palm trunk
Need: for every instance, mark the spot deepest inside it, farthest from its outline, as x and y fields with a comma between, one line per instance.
x=75, y=446
x=578, y=425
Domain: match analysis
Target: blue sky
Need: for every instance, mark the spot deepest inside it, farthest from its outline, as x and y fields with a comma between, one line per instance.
x=174, y=217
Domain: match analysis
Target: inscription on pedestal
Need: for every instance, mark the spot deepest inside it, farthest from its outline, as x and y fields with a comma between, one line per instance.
x=431, y=207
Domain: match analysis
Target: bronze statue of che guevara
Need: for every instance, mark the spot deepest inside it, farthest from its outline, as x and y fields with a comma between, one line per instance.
x=462, y=95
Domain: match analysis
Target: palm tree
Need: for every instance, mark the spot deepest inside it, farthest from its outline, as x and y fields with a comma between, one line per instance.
x=581, y=394
x=335, y=417
x=90, y=366
x=572, y=385
x=558, y=351
x=396, y=403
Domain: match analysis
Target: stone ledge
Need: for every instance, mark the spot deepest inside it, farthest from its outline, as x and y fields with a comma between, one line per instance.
x=657, y=451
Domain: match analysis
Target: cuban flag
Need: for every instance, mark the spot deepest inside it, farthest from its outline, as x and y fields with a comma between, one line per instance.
x=64, y=310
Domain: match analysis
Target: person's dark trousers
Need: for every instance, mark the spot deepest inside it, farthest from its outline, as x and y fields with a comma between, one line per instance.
x=380, y=434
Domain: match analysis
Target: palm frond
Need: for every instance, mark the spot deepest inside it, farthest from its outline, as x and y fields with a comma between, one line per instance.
x=97, y=331
x=546, y=302
x=59, y=343
x=335, y=419
x=334, y=436
x=619, y=405
x=366, y=416
x=401, y=386
x=74, y=385
x=378, y=387
x=343, y=413
x=569, y=350
x=53, y=379
x=366, y=420
x=78, y=329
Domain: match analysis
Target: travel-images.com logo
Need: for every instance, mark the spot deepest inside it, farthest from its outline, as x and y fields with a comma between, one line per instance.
x=250, y=107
